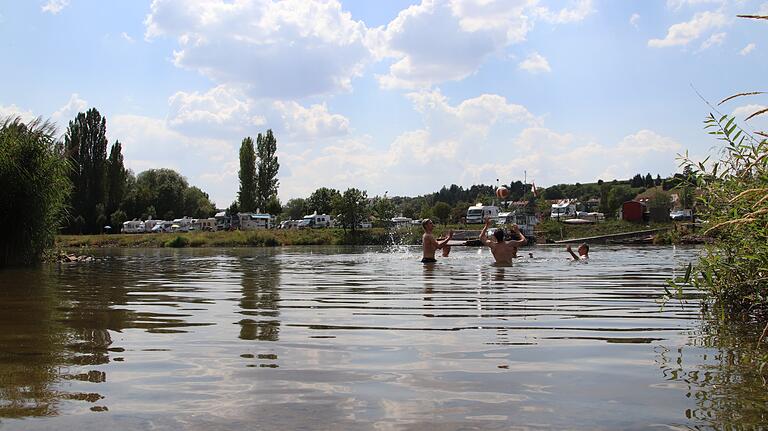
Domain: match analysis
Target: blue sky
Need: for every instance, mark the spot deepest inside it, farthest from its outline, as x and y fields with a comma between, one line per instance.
x=389, y=96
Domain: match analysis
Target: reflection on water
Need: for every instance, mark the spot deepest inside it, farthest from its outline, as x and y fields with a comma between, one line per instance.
x=361, y=338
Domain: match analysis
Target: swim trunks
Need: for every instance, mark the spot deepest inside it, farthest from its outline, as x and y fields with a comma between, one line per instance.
x=428, y=260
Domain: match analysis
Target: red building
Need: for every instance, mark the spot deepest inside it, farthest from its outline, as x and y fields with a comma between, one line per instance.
x=632, y=211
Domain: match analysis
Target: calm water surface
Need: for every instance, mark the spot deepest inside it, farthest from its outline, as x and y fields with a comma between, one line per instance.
x=365, y=338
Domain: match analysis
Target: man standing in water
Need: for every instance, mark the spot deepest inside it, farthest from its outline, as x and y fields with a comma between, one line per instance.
x=583, y=252
x=503, y=251
x=429, y=242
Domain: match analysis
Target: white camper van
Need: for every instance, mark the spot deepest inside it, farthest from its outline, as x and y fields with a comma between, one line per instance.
x=133, y=226
x=315, y=220
x=563, y=209
x=251, y=221
x=478, y=213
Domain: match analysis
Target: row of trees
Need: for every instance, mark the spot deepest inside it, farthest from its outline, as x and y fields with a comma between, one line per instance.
x=105, y=192
x=450, y=204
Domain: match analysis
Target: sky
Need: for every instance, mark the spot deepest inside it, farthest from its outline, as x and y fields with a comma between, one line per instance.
x=398, y=97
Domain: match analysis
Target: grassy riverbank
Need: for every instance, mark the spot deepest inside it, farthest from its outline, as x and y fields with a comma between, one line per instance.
x=255, y=238
x=549, y=230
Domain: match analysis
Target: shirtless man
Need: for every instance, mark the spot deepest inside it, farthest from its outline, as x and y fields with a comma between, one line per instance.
x=503, y=251
x=583, y=252
x=430, y=243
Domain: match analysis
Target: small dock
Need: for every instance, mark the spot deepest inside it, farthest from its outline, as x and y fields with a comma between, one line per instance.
x=603, y=239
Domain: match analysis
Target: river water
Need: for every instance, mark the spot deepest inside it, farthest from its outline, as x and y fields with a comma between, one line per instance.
x=367, y=338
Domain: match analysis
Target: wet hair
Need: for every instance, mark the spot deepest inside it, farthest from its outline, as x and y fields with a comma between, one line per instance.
x=424, y=223
x=586, y=246
x=499, y=234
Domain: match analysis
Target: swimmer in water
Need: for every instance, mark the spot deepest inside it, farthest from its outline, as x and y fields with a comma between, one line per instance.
x=503, y=251
x=430, y=244
x=583, y=251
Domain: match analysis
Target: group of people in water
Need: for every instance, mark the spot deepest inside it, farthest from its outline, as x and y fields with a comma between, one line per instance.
x=504, y=251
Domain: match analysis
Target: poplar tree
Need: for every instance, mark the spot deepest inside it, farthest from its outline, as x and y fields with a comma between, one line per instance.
x=267, y=167
x=116, y=178
x=85, y=144
x=248, y=186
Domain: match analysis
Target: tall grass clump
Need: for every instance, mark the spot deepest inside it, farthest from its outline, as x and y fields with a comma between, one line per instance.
x=34, y=191
x=734, y=201
x=177, y=242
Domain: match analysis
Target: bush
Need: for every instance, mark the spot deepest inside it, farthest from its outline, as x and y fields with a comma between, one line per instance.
x=178, y=242
x=34, y=191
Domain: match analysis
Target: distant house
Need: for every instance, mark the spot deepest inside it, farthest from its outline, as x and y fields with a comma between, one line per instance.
x=633, y=211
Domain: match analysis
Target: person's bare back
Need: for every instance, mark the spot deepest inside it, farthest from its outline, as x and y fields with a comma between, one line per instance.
x=503, y=251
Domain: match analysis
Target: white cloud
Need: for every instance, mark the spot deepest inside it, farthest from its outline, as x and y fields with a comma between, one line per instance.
x=206, y=162
x=748, y=49
x=716, y=39
x=13, y=111
x=535, y=63
x=678, y=4
x=54, y=6
x=581, y=9
x=278, y=49
x=126, y=37
x=763, y=9
x=685, y=32
x=220, y=110
x=68, y=112
x=437, y=41
x=633, y=20
x=225, y=111
x=311, y=123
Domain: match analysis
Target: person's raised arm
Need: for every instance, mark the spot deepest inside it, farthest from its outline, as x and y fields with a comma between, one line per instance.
x=574, y=255
x=445, y=241
x=483, y=233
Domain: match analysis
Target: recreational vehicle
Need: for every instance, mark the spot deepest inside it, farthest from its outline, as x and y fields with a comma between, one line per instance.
x=204, y=224
x=526, y=222
x=479, y=212
x=133, y=226
x=315, y=220
x=563, y=209
x=401, y=221
x=251, y=221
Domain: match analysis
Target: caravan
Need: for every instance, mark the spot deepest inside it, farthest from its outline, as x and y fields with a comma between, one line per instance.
x=526, y=222
x=251, y=221
x=315, y=220
x=133, y=226
x=479, y=212
x=563, y=209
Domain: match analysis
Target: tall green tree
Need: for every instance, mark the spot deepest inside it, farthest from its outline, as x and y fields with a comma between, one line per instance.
x=116, y=179
x=295, y=208
x=162, y=189
x=85, y=144
x=383, y=209
x=197, y=204
x=442, y=211
x=266, y=168
x=273, y=206
x=322, y=200
x=248, y=194
x=351, y=208
x=35, y=190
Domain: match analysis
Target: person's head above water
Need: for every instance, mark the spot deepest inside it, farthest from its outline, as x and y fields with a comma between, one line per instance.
x=427, y=224
x=499, y=235
x=583, y=249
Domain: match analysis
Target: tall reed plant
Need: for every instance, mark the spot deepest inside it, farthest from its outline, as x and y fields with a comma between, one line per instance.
x=734, y=202
x=34, y=190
